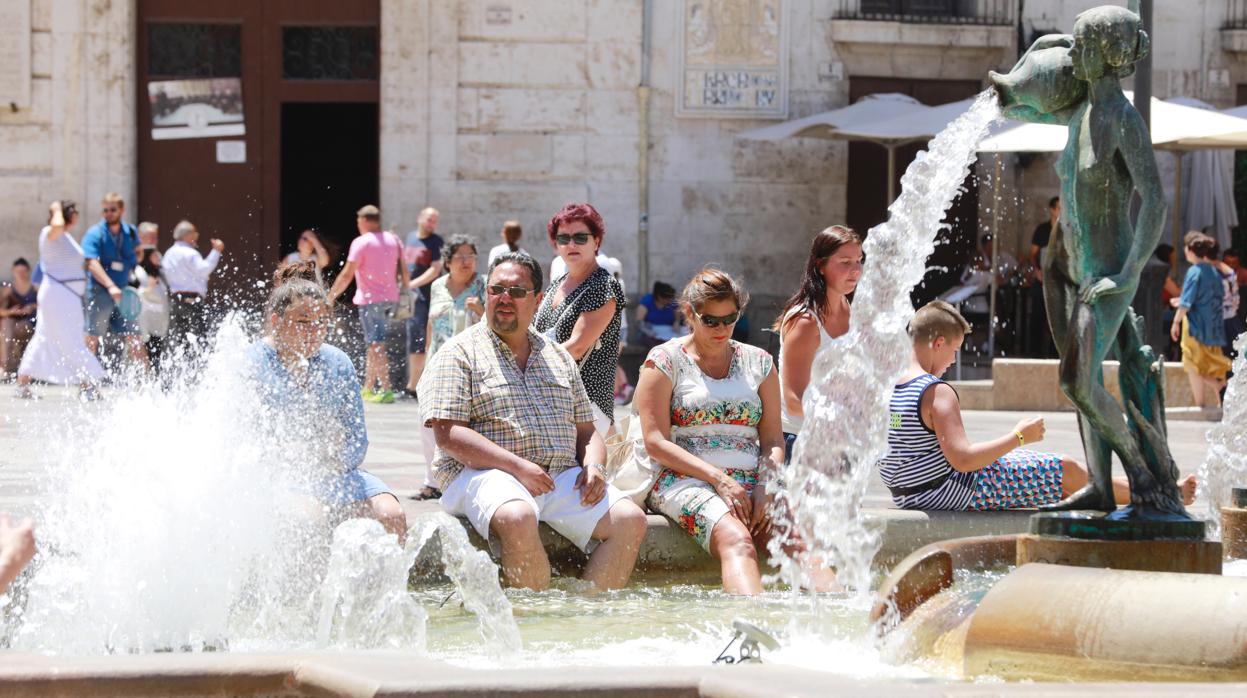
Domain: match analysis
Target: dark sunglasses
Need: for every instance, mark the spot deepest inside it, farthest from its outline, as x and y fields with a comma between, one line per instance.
x=578, y=238
x=716, y=320
x=111, y=209
x=513, y=291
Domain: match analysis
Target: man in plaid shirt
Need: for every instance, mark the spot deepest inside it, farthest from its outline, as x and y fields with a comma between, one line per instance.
x=515, y=440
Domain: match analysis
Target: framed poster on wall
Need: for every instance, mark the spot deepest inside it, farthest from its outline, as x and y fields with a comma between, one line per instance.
x=207, y=108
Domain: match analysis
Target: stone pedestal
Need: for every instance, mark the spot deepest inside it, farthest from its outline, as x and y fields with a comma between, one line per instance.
x=1082, y=539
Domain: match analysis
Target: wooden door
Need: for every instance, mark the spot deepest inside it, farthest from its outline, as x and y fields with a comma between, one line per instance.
x=283, y=52
x=181, y=178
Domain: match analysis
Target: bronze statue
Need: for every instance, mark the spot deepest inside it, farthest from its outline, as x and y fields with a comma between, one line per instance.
x=1092, y=266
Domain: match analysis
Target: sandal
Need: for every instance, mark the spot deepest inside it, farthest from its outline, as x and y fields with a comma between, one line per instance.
x=426, y=493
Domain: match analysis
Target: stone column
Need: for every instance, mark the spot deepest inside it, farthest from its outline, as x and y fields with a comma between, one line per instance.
x=405, y=111
x=93, y=108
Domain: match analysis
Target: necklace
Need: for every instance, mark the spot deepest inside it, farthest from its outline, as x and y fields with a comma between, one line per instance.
x=716, y=367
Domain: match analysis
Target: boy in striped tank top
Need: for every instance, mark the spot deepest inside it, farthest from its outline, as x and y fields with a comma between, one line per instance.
x=930, y=462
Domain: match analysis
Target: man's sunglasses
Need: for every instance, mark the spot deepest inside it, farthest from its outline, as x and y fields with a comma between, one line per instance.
x=578, y=238
x=513, y=291
x=716, y=320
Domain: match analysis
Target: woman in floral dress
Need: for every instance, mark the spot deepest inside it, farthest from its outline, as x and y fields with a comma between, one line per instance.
x=710, y=410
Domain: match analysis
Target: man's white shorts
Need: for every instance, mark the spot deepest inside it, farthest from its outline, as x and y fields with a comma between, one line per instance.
x=477, y=494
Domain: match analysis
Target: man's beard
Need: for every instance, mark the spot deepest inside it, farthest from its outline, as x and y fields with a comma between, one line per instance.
x=505, y=325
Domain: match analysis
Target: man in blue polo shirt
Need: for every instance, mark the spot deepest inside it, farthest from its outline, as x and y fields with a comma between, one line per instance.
x=109, y=247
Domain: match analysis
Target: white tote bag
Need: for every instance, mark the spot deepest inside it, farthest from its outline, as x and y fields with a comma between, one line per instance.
x=628, y=466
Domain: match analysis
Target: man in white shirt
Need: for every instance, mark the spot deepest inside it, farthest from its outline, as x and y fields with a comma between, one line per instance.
x=511, y=234
x=187, y=274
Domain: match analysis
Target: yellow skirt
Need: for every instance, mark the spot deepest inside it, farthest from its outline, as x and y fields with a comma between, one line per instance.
x=1205, y=360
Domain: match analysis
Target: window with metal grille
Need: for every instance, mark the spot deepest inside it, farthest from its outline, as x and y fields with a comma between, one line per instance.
x=329, y=53
x=194, y=50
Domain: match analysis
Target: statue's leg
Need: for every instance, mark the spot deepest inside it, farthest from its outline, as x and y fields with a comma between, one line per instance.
x=1093, y=329
x=1060, y=295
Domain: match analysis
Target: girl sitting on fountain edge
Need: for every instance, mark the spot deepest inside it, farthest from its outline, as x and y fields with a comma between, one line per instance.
x=931, y=464
x=314, y=395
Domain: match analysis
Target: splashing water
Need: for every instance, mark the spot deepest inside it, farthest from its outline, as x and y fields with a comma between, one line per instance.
x=475, y=576
x=1225, y=465
x=845, y=432
x=179, y=519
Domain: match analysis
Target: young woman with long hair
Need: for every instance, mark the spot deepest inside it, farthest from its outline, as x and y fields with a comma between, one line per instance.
x=816, y=314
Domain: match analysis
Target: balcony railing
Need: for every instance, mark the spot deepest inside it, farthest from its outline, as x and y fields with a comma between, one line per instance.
x=983, y=12
x=1235, y=14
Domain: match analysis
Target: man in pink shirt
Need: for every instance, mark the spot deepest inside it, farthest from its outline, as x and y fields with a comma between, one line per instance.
x=375, y=264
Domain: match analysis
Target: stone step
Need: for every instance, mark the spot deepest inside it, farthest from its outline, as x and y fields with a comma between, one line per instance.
x=1034, y=385
x=667, y=549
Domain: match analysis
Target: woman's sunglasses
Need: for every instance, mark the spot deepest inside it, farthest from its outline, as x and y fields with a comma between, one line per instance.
x=717, y=320
x=513, y=291
x=578, y=238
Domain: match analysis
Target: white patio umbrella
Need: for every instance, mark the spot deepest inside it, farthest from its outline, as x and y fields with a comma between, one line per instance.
x=1208, y=203
x=871, y=108
x=850, y=124
x=1179, y=125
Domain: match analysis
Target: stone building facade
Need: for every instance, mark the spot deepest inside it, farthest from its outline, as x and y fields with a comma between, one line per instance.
x=496, y=109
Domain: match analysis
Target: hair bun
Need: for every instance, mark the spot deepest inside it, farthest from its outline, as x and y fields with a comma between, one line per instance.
x=296, y=270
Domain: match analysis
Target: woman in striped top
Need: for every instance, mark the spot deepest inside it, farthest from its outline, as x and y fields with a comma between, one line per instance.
x=931, y=464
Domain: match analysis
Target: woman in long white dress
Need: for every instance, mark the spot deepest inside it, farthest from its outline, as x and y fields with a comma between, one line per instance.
x=58, y=352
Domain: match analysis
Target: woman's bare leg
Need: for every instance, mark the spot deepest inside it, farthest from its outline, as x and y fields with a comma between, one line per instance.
x=1197, y=386
x=1074, y=477
x=385, y=508
x=821, y=576
x=738, y=558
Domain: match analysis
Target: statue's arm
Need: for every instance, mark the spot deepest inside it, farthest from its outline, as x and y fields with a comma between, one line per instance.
x=1135, y=146
x=1021, y=112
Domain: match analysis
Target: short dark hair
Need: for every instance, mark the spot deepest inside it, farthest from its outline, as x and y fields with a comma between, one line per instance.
x=457, y=241
x=663, y=289
x=21, y=262
x=524, y=260
x=1231, y=252
x=1054, y=201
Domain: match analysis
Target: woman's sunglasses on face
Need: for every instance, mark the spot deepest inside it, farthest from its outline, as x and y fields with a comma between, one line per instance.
x=717, y=320
x=578, y=238
x=516, y=292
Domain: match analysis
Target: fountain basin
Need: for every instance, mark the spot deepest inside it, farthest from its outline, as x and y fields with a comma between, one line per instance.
x=392, y=674
x=1056, y=623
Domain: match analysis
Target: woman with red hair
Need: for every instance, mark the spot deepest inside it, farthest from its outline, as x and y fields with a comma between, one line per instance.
x=582, y=307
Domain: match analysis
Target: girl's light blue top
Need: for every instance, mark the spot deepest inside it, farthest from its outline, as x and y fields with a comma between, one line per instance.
x=330, y=389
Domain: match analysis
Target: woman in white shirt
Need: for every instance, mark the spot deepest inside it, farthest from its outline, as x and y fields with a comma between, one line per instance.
x=817, y=313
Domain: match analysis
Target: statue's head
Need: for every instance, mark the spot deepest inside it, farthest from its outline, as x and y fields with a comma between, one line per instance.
x=1108, y=41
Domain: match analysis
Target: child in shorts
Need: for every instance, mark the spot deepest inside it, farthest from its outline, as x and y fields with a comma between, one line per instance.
x=931, y=464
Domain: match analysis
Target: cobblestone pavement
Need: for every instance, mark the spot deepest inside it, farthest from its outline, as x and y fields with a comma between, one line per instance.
x=395, y=455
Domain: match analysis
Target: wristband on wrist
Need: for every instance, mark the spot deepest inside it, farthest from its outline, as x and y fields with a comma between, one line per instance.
x=1021, y=439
